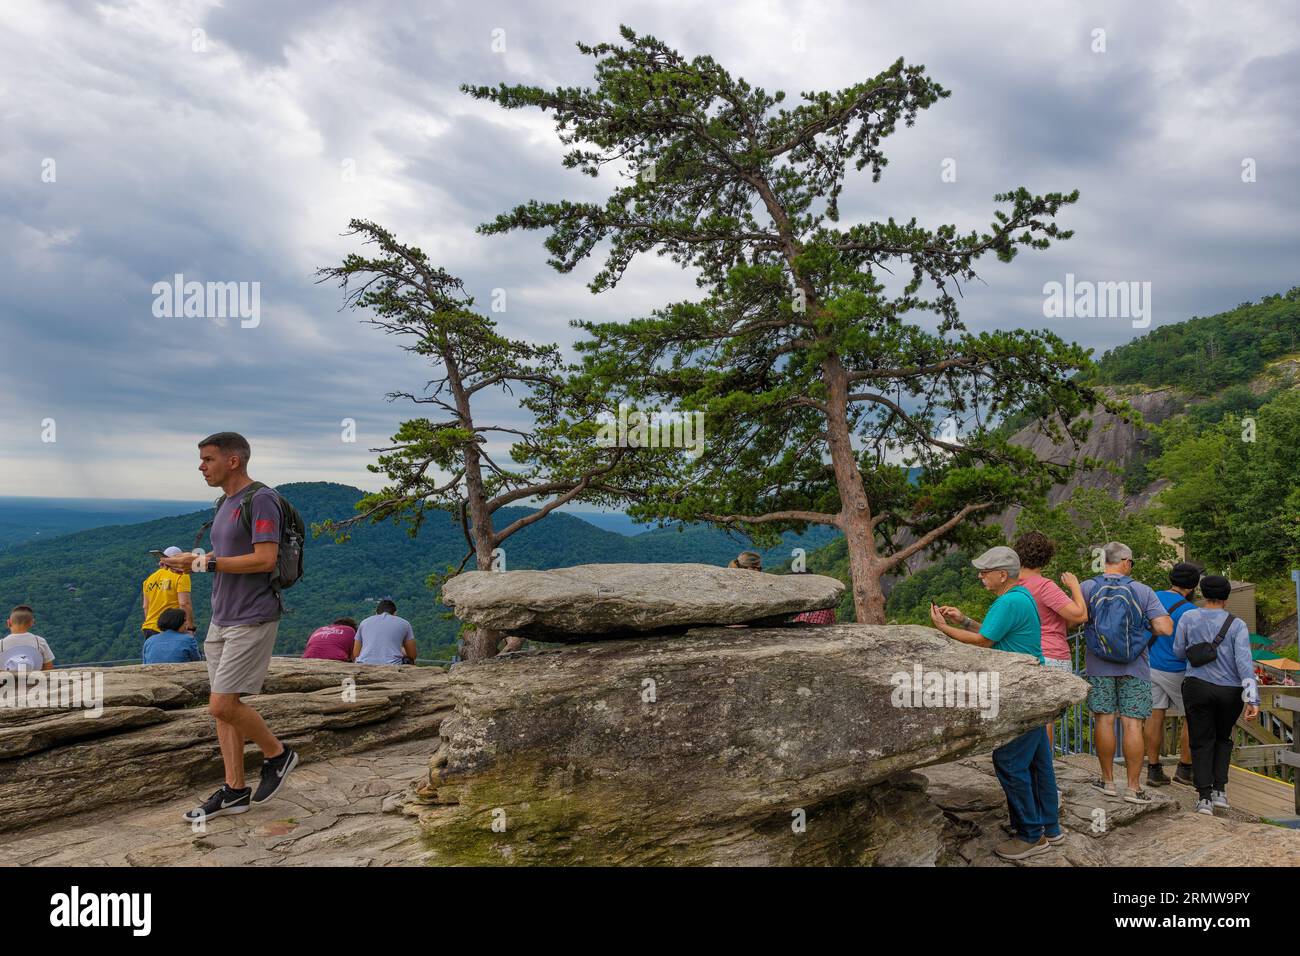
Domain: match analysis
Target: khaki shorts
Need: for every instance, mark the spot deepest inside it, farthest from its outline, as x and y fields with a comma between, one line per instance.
x=238, y=656
x=1167, y=692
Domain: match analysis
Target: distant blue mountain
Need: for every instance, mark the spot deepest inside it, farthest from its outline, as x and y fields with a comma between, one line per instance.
x=32, y=519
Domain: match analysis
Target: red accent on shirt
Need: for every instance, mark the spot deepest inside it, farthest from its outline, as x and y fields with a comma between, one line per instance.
x=264, y=526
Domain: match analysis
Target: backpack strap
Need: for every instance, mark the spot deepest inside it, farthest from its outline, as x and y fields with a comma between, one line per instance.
x=1178, y=604
x=245, y=509
x=246, y=505
x=1223, y=631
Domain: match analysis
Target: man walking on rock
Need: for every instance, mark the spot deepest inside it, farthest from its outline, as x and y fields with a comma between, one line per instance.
x=245, y=619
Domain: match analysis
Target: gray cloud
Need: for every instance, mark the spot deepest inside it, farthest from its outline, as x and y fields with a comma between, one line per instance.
x=228, y=165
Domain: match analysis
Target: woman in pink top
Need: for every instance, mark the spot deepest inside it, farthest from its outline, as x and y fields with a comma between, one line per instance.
x=1057, y=611
x=333, y=642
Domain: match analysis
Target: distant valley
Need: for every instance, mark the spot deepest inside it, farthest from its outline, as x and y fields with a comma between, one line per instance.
x=85, y=584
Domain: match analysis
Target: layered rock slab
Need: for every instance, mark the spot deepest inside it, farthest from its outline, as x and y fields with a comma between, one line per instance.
x=55, y=763
x=753, y=746
x=612, y=600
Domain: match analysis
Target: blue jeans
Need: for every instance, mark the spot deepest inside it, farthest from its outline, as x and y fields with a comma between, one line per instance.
x=1024, y=768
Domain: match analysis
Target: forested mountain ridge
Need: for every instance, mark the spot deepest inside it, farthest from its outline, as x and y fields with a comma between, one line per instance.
x=1216, y=455
x=1207, y=354
x=85, y=587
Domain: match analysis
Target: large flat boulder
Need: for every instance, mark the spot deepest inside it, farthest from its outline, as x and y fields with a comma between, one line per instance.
x=602, y=600
x=751, y=746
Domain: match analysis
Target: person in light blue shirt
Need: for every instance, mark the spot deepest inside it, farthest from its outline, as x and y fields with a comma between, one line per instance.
x=1214, y=692
x=384, y=638
x=171, y=645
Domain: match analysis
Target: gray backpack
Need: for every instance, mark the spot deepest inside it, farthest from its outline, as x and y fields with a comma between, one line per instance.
x=19, y=658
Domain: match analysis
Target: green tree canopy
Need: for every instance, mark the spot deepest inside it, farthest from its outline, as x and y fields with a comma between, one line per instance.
x=1234, y=490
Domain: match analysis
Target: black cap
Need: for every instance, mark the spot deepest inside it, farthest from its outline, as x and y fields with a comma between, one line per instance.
x=1184, y=575
x=1216, y=587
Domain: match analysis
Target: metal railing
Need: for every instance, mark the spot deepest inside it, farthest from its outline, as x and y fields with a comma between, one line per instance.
x=1271, y=746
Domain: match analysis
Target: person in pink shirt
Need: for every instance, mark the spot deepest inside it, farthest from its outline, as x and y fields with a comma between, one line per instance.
x=1057, y=611
x=333, y=642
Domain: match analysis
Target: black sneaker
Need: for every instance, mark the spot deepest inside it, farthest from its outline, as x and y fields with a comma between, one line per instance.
x=1183, y=775
x=1156, y=776
x=275, y=771
x=225, y=801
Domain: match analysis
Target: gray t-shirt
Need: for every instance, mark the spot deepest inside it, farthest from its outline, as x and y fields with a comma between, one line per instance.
x=244, y=598
x=1140, y=666
x=381, y=637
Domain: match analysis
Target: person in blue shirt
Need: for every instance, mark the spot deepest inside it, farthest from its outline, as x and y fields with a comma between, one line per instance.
x=1167, y=671
x=171, y=645
x=1214, y=692
x=1024, y=765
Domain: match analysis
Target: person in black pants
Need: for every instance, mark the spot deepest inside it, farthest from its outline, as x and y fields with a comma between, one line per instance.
x=1214, y=690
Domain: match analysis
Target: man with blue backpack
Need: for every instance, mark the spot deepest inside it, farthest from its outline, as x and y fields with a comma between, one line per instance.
x=1124, y=617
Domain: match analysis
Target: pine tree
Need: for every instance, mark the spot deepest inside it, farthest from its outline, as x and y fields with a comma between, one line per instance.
x=445, y=465
x=820, y=390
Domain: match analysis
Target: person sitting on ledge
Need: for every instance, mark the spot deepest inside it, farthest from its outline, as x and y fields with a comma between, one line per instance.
x=171, y=645
x=384, y=638
x=333, y=642
x=21, y=650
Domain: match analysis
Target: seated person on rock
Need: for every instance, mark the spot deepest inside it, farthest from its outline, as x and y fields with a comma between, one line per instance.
x=333, y=642
x=384, y=638
x=21, y=650
x=171, y=645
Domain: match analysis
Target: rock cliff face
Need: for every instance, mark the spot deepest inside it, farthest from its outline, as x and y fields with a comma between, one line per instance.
x=1109, y=440
x=721, y=746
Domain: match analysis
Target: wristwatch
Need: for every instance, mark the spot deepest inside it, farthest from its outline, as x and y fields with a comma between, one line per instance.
x=210, y=565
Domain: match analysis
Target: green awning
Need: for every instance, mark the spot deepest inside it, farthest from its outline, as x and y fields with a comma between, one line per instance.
x=1260, y=639
x=1262, y=655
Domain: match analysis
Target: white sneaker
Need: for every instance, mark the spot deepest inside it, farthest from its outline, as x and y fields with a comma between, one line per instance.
x=1219, y=798
x=1206, y=807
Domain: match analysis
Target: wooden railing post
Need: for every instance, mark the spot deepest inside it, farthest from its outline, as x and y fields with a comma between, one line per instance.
x=1291, y=758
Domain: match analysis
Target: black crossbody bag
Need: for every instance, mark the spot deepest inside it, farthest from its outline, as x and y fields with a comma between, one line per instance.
x=1198, y=655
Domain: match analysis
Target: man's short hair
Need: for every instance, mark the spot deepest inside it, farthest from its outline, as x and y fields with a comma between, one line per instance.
x=230, y=443
x=23, y=616
x=1115, y=552
x=347, y=621
x=172, y=619
x=385, y=607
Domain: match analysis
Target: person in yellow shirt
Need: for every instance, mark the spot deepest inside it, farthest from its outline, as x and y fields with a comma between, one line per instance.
x=163, y=589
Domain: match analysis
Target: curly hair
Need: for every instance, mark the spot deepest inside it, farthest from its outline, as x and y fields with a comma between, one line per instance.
x=1035, y=550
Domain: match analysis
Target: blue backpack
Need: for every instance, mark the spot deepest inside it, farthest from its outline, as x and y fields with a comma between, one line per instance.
x=1117, y=627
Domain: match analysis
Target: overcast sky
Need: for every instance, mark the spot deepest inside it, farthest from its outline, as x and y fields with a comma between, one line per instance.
x=128, y=156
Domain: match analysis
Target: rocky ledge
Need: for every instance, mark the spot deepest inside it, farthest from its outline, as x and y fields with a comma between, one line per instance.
x=154, y=739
